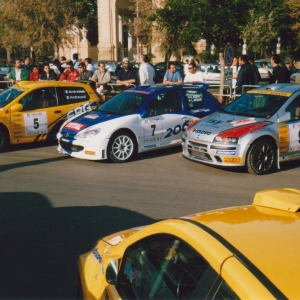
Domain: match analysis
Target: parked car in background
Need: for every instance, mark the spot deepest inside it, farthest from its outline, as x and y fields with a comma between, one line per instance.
x=110, y=65
x=241, y=252
x=33, y=111
x=259, y=130
x=260, y=63
x=137, y=120
x=161, y=68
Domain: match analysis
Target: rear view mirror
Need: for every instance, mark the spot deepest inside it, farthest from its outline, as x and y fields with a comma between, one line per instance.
x=111, y=274
x=16, y=108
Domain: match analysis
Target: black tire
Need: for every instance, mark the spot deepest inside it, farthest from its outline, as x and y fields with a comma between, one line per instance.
x=261, y=157
x=121, y=147
x=4, y=139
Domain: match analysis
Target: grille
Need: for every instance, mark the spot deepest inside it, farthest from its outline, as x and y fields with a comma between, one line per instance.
x=70, y=147
x=202, y=155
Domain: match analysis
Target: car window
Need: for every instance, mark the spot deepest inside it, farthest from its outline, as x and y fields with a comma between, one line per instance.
x=124, y=103
x=9, y=95
x=294, y=109
x=256, y=105
x=72, y=95
x=225, y=293
x=161, y=268
x=40, y=98
x=193, y=97
x=164, y=103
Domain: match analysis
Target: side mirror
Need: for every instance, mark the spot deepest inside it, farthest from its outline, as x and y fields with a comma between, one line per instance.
x=285, y=117
x=16, y=108
x=111, y=273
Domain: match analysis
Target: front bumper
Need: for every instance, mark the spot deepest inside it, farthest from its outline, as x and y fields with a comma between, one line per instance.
x=95, y=149
x=227, y=155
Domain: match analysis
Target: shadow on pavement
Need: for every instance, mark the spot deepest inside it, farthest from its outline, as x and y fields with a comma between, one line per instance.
x=40, y=244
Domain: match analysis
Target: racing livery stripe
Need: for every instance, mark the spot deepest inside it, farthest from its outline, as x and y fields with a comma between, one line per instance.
x=241, y=131
x=243, y=259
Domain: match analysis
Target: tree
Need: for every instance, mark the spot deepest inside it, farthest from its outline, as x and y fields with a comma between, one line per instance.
x=42, y=25
x=259, y=33
x=294, y=6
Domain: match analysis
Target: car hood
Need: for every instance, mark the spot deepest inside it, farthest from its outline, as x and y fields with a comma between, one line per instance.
x=87, y=120
x=219, y=122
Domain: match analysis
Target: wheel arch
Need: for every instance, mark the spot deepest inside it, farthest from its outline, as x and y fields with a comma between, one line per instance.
x=6, y=131
x=126, y=130
x=263, y=137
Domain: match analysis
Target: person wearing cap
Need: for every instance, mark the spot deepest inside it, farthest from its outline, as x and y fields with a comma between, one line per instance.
x=127, y=75
x=70, y=73
x=84, y=74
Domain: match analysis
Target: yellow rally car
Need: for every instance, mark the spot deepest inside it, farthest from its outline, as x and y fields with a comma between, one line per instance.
x=32, y=111
x=245, y=252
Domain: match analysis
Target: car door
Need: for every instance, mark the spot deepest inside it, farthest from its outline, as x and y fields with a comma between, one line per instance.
x=164, y=121
x=294, y=126
x=40, y=111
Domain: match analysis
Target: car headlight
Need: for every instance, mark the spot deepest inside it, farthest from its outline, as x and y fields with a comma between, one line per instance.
x=88, y=133
x=226, y=139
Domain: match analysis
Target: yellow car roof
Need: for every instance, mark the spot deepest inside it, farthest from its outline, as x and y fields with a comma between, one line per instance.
x=266, y=233
x=33, y=84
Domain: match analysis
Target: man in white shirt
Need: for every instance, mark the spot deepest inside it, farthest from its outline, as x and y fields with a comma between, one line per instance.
x=193, y=75
x=89, y=66
x=76, y=62
x=146, y=71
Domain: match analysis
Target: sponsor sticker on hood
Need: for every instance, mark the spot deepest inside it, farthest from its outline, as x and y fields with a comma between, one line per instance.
x=75, y=126
x=243, y=122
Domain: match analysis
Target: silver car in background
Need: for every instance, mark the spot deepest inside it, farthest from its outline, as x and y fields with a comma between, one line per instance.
x=258, y=130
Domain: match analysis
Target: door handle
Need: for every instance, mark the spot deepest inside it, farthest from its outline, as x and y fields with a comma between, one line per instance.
x=57, y=112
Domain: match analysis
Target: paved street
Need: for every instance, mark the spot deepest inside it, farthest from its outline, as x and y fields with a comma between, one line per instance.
x=54, y=208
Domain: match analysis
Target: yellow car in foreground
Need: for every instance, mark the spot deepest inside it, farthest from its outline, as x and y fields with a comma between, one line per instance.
x=33, y=111
x=244, y=252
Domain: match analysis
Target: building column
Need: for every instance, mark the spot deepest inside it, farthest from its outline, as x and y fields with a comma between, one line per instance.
x=108, y=29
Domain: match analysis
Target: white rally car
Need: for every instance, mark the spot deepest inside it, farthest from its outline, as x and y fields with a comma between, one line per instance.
x=136, y=120
x=258, y=130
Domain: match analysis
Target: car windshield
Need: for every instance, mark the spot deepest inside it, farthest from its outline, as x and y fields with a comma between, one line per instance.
x=124, y=103
x=256, y=105
x=9, y=95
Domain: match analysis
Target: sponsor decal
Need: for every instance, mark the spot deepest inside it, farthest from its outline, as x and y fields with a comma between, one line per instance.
x=89, y=152
x=228, y=152
x=152, y=120
x=233, y=160
x=296, y=148
x=284, y=138
x=115, y=240
x=165, y=143
x=17, y=125
x=296, y=125
x=18, y=115
x=194, y=130
x=97, y=255
x=243, y=122
x=18, y=132
x=92, y=116
x=214, y=121
x=75, y=126
x=194, y=111
x=75, y=91
x=79, y=110
x=270, y=92
x=150, y=146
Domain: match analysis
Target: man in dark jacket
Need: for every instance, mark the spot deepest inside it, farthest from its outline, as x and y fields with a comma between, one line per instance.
x=257, y=77
x=245, y=75
x=48, y=73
